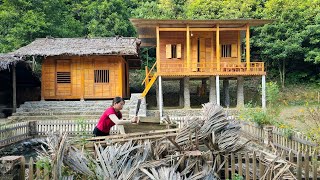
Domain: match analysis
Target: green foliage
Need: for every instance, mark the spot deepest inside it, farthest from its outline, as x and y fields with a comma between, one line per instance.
x=162, y=9
x=23, y=21
x=312, y=120
x=44, y=163
x=237, y=177
x=256, y=115
x=282, y=43
x=136, y=78
x=272, y=93
x=289, y=45
x=105, y=18
x=260, y=116
x=225, y=9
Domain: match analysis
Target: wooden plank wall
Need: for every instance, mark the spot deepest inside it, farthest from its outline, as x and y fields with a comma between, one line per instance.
x=172, y=38
x=207, y=42
x=82, y=84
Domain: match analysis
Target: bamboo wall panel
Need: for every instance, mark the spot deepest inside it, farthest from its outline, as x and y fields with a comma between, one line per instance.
x=48, y=78
x=88, y=78
x=74, y=77
x=194, y=53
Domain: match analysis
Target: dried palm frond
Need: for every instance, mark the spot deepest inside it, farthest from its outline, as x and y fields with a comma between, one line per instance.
x=56, y=144
x=120, y=161
x=78, y=161
x=214, y=126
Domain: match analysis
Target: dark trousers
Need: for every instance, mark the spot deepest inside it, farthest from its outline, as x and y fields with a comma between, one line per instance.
x=97, y=132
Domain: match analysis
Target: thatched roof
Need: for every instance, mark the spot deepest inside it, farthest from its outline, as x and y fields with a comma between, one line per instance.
x=80, y=46
x=7, y=59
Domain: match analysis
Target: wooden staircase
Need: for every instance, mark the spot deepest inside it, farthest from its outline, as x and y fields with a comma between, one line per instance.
x=151, y=77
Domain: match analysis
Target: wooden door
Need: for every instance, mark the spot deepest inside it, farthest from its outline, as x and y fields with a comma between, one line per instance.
x=201, y=52
x=63, y=78
x=88, y=78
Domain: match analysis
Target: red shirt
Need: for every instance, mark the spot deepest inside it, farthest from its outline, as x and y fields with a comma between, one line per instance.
x=105, y=123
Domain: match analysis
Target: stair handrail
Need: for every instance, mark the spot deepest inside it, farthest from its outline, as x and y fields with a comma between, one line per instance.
x=147, y=75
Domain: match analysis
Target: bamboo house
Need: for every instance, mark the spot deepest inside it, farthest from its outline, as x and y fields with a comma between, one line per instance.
x=209, y=50
x=84, y=68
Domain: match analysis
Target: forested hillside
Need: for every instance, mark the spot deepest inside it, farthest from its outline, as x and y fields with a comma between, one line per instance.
x=290, y=46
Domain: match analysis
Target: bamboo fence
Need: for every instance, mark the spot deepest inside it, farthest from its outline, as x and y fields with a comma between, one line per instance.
x=248, y=165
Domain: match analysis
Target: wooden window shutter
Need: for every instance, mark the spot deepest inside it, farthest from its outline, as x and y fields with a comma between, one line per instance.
x=234, y=50
x=168, y=51
x=179, y=51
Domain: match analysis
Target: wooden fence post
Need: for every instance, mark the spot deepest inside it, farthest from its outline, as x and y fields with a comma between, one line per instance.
x=299, y=165
x=13, y=167
x=268, y=135
x=30, y=169
x=33, y=128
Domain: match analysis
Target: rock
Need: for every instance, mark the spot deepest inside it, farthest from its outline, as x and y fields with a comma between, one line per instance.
x=2, y=115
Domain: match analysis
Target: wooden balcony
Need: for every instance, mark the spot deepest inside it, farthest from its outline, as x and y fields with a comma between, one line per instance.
x=208, y=69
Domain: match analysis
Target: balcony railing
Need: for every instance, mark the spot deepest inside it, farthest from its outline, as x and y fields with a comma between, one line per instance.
x=179, y=68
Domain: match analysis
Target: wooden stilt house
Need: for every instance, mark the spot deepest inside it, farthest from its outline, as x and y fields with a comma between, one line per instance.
x=83, y=68
x=203, y=49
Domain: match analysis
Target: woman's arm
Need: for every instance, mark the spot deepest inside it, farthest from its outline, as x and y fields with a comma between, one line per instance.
x=117, y=121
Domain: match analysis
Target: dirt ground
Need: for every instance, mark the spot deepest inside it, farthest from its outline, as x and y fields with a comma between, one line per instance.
x=298, y=117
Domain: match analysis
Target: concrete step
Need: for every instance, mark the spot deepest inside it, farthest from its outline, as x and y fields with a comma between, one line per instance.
x=53, y=117
x=56, y=117
x=66, y=113
x=48, y=104
x=61, y=109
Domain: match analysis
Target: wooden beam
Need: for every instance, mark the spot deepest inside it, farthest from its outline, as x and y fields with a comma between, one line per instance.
x=158, y=48
x=248, y=47
x=218, y=47
x=143, y=44
x=146, y=36
x=121, y=77
x=127, y=83
x=172, y=29
x=232, y=29
x=136, y=134
x=202, y=29
x=188, y=46
x=212, y=60
x=14, y=89
x=42, y=83
x=82, y=77
x=239, y=48
x=220, y=29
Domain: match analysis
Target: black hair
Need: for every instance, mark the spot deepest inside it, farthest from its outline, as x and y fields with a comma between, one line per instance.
x=117, y=100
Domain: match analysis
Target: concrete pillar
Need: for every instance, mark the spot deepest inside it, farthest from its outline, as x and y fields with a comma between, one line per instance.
x=240, y=95
x=226, y=92
x=218, y=90
x=181, y=90
x=186, y=92
x=157, y=93
x=212, y=91
x=264, y=103
x=203, y=89
x=160, y=97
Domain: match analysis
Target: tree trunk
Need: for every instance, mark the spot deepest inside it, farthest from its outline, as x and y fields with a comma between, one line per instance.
x=282, y=71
